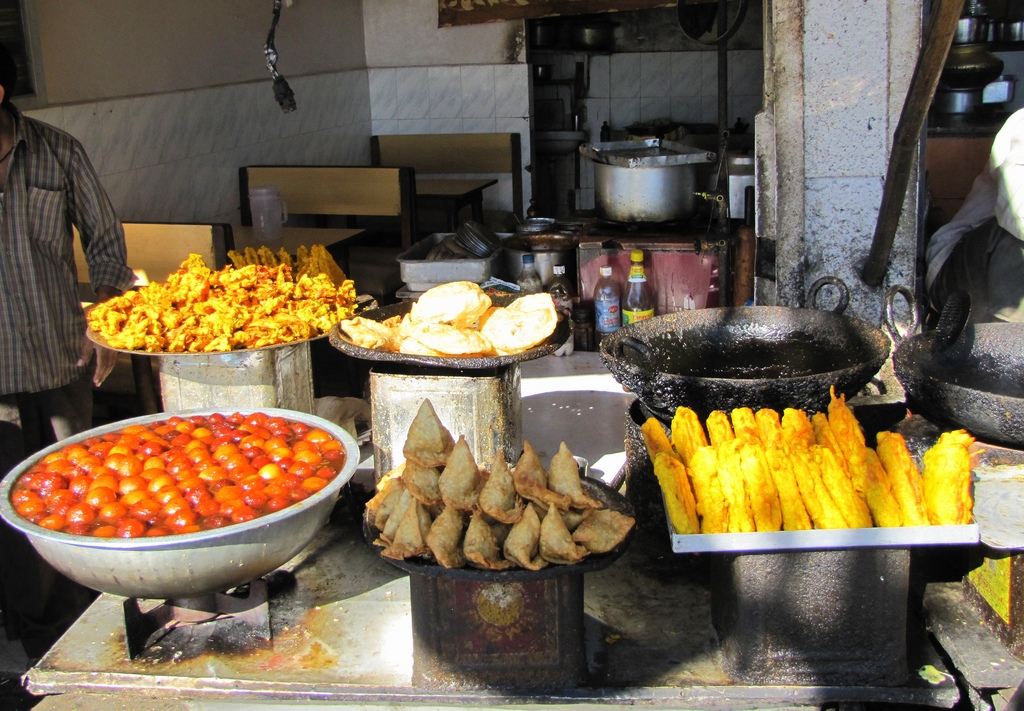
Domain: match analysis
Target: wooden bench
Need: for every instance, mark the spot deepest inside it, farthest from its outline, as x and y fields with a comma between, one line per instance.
x=346, y=191
x=454, y=154
x=157, y=249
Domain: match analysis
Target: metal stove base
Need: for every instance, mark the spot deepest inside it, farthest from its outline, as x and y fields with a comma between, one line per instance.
x=343, y=635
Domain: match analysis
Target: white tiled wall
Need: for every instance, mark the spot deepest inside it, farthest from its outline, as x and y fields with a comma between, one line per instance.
x=637, y=87
x=175, y=157
x=457, y=99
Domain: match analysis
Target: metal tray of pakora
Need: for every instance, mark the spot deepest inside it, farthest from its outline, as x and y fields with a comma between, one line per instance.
x=597, y=490
x=548, y=346
x=99, y=340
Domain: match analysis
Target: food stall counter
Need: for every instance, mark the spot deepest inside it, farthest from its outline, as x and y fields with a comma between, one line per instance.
x=341, y=617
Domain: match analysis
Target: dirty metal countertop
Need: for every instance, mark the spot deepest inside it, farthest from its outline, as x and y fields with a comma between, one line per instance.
x=342, y=635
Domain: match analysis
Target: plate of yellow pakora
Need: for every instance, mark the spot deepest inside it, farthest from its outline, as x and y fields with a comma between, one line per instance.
x=203, y=311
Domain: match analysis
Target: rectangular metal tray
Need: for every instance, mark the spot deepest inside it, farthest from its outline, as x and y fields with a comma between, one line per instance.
x=419, y=274
x=822, y=539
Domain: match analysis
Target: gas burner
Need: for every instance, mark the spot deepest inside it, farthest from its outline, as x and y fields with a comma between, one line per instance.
x=238, y=619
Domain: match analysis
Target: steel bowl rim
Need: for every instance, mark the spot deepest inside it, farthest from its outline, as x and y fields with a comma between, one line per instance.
x=178, y=541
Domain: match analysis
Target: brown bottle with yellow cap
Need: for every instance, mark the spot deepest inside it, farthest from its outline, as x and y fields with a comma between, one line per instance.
x=639, y=301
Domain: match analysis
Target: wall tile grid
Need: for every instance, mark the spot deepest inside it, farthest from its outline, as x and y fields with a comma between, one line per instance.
x=175, y=157
x=637, y=87
x=457, y=99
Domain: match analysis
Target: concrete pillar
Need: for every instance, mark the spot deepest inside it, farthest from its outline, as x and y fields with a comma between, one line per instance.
x=836, y=76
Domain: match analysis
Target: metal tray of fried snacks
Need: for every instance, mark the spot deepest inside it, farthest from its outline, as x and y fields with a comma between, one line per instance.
x=822, y=539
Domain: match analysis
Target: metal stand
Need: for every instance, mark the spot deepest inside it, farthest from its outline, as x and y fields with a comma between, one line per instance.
x=142, y=629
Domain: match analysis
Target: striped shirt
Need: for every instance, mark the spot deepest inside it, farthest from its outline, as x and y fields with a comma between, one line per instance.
x=50, y=186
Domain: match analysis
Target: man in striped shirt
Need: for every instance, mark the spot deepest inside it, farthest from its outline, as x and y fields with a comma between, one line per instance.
x=47, y=367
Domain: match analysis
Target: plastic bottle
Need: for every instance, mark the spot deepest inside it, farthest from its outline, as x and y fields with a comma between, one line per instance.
x=639, y=301
x=529, y=281
x=607, y=311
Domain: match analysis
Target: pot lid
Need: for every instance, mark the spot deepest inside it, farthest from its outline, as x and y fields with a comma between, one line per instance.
x=650, y=153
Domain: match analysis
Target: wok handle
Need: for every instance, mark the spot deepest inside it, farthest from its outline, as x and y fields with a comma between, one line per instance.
x=890, y=314
x=638, y=346
x=844, y=292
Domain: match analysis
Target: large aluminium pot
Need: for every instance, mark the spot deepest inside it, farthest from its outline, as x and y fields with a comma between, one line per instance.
x=750, y=356
x=645, y=181
x=976, y=383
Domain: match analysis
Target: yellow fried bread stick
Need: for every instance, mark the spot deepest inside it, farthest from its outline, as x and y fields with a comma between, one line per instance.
x=687, y=434
x=794, y=513
x=656, y=439
x=769, y=426
x=675, y=485
x=837, y=481
x=761, y=491
x=820, y=506
x=712, y=506
x=946, y=480
x=903, y=477
x=719, y=429
x=730, y=476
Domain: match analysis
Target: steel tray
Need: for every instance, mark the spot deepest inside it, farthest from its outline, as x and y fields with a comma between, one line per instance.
x=419, y=273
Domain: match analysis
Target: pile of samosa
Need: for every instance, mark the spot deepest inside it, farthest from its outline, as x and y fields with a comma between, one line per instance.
x=439, y=504
x=756, y=471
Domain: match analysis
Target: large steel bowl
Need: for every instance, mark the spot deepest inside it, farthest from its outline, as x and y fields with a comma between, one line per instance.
x=190, y=564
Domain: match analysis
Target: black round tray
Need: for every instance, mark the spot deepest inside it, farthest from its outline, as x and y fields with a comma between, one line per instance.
x=605, y=494
x=550, y=345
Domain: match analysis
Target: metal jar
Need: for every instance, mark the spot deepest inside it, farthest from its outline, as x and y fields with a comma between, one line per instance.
x=645, y=181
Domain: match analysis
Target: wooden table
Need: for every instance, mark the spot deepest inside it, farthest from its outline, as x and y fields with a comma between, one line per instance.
x=451, y=195
x=293, y=237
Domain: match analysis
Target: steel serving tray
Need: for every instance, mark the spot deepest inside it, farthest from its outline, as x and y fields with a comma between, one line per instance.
x=420, y=273
x=548, y=346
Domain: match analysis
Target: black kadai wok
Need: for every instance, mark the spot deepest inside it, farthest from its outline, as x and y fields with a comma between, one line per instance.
x=976, y=382
x=750, y=356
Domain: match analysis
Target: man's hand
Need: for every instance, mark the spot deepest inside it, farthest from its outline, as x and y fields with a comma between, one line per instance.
x=105, y=358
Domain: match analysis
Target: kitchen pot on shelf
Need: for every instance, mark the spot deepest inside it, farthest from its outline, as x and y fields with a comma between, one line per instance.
x=645, y=181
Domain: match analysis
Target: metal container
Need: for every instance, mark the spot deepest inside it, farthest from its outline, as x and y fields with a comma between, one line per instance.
x=957, y=101
x=483, y=406
x=596, y=35
x=543, y=34
x=191, y=564
x=420, y=273
x=971, y=29
x=275, y=376
x=999, y=91
x=741, y=176
x=1009, y=31
x=645, y=181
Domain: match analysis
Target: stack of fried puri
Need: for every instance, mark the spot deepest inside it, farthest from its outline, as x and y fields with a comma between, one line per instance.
x=758, y=471
x=458, y=320
x=441, y=505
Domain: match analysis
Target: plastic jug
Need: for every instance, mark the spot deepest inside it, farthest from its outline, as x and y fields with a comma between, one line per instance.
x=269, y=212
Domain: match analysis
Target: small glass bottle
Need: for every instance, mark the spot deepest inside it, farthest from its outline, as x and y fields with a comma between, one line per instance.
x=607, y=305
x=561, y=291
x=639, y=302
x=529, y=280
x=583, y=328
